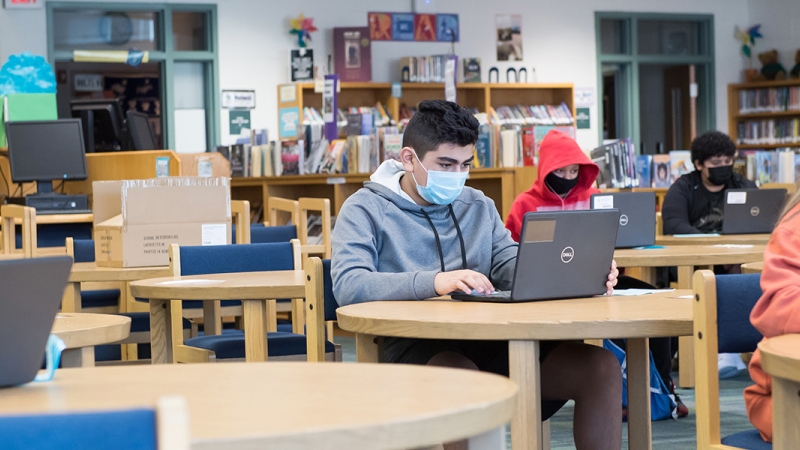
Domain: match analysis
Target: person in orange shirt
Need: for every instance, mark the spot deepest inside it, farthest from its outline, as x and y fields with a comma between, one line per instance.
x=777, y=312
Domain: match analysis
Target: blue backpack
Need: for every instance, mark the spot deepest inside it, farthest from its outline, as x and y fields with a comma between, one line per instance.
x=662, y=403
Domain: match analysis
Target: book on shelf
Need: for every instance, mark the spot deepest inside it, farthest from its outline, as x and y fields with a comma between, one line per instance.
x=424, y=69
x=764, y=100
x=768, y=132
x=292, y=157
x=644, y=166
x=532, y=115
x=391, y=143
x=661, y=171
x=483, y=148
x=615, y=160
x=680, y=162
x=472, y=70
x=352, y=54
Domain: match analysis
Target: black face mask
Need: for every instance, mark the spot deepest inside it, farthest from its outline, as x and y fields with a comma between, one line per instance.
x=560, y=185
x=718, y=176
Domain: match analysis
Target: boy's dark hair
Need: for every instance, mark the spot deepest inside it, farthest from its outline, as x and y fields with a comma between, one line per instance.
x=711, y=144
x=440, y=122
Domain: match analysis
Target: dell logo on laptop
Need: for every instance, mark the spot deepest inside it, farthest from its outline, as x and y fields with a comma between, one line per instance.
x=754, y=211
x=567, y=254
x=623, y=220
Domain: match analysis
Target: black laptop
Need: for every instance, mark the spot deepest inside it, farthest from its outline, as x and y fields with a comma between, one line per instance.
x=749, y=211
x=561, y=254
x=637, y=216
x=30, y=295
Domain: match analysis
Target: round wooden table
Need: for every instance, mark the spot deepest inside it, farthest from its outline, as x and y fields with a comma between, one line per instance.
x=254, y=289
x=687, y=258
x=780, y=357
x=81, y=332
x=292, y=405
x=524, y=325
x=741, y=239
x=755, y=267
x=91, y=272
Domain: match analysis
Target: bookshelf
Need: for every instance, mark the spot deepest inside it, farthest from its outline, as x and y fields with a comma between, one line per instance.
x=737, y=117
x=501, y=185
x=473, y=95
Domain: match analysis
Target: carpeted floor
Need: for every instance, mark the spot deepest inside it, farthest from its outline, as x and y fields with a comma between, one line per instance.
x=667, y=434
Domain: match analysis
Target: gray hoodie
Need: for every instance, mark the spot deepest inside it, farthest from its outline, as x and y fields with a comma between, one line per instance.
x=385, y=246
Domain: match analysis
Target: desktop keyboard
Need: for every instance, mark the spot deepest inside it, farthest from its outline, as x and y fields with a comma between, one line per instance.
x=47, y=212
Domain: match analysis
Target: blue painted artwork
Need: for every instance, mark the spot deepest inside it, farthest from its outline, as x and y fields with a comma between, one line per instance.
x=447, y=27
x=27, y=73
x=402, y=27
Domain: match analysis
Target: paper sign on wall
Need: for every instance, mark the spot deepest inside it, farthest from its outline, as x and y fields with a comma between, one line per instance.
x=23, y=4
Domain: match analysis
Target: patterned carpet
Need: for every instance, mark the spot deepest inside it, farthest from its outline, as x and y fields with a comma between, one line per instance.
x=667, y=434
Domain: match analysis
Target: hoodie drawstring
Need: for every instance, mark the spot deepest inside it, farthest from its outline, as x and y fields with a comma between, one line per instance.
x=439, y=242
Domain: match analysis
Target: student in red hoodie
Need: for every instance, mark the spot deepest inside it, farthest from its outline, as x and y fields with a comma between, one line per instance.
x=565, y=181
x=778, y=310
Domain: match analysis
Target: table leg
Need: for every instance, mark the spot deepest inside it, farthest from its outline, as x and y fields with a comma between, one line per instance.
x=686, y=343
x=254, y=314
x=523, y=368
x=212, y=318
x=77, y=357
x=71, y=300
x=639, y=428
x=161, y=332
x=491, y=440
x=785, y=414
x=366, y=348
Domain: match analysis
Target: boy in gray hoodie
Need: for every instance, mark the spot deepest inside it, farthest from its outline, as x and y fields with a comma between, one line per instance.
x=414, y=232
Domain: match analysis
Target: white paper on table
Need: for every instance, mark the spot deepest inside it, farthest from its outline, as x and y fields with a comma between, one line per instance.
x=696, y=235
x=733, y=245
x=631, y=292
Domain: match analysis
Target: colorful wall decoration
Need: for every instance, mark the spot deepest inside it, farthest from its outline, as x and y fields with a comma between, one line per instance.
x=413, y=27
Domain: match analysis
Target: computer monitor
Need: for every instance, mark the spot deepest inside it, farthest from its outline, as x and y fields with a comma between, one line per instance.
x=44, y=151
x=103, y=124
x=141, y=132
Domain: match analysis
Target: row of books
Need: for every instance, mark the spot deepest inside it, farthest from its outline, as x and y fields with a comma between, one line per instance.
x=531, y=115
x=511, y=145
x=616, y=161
x=424, y=69
x=769, y=166
x=769, y=131
x=660, y=171
x=775, y=99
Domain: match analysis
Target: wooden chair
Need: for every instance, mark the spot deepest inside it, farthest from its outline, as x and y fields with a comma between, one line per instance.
x=659, y=224
x=721, y=325
x=107, y=301
x=278, y=207
x=323, y=206
x=164, y=428
x=27, y=215
x=218, y=344
x=790, y=187
x=240, y=214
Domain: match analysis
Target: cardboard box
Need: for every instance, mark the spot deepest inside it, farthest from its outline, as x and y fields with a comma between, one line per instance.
x=135, y=221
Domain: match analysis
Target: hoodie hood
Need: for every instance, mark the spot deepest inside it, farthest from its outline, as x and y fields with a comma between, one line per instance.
x=556, y=151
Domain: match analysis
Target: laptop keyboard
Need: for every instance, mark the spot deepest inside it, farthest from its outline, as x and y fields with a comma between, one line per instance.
x=496, y=295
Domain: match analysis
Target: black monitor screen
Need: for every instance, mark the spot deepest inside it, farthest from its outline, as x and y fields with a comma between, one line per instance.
x=46, y=150
x=141, y=132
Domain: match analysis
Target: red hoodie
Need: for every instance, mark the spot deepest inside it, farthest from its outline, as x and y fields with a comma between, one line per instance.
x=557, y=150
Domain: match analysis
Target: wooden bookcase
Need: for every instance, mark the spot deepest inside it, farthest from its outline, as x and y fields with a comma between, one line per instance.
x=473, y=95
x=734, y=117
x=501, y=185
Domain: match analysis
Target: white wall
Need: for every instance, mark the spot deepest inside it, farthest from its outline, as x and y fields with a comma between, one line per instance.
x=780, y=25
x=559, y=40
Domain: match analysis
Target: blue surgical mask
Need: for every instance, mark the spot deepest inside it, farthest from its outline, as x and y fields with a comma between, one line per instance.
x=443, y=187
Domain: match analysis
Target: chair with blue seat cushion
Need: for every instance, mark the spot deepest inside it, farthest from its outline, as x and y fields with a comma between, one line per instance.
x=166, y=427
x=199, y=260
x=321, y=305
x=27, y=238
x=722, y=309
x=82, y=250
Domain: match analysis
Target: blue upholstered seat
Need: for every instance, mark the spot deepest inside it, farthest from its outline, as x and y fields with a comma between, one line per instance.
x=54, y=235
x=227, y=346
x=261, y=234
x=120, y=430
x=736, y=297
x=200, y=260
x=749, y=439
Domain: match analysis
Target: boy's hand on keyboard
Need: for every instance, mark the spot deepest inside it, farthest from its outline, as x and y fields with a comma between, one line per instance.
x=462, y=280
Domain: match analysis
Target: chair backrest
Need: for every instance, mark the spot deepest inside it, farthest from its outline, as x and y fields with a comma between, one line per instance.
x=320, y=305
x=240, y=213
x=659, y=224
x=166, y=427
x=260, y=234
x=279, y=208
x=27, y=215
x=323, y=206
x=200, y=260
x=721, y=324
x=81, y=250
